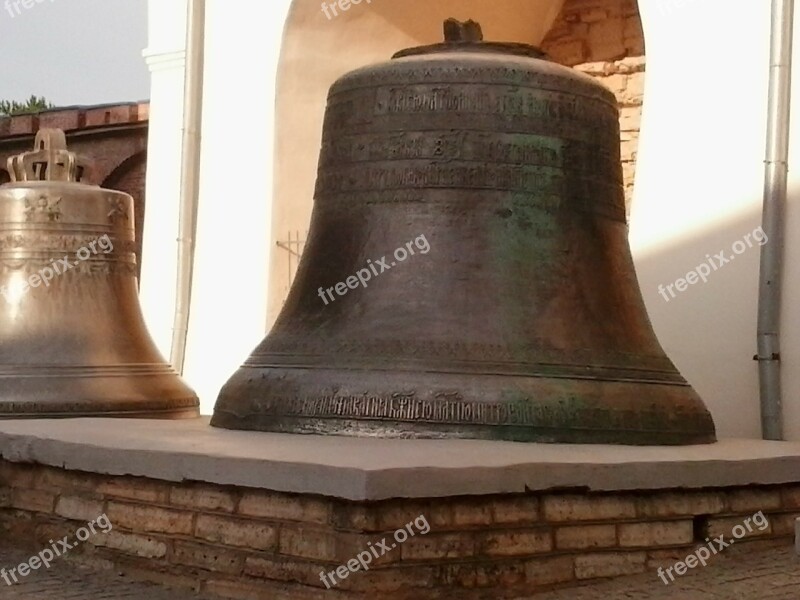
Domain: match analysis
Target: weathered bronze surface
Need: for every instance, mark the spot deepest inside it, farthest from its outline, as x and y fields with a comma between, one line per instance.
x=73, y=342
x=523, y=322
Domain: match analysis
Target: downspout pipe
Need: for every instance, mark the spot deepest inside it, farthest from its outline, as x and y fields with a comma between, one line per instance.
x=775, y=194
x=190, y=177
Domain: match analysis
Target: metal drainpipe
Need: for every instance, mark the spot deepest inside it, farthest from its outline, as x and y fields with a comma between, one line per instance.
x=190, y=177
x=775, y=192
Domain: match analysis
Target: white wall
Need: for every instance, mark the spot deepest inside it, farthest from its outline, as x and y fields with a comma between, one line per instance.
x=699, y=190
x=166, y=57
x=791, y=299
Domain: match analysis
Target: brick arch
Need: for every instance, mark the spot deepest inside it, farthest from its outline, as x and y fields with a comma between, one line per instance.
x=605, y=39
x=129, y=177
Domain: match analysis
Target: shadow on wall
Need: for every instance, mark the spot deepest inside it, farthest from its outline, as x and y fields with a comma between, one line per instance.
x=709, y=328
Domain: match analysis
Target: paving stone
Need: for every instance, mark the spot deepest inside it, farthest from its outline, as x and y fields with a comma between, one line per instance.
x=766, y=573
x=64, y=580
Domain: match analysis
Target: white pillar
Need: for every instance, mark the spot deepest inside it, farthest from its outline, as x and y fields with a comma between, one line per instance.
x=166, y=58
x=234, y=241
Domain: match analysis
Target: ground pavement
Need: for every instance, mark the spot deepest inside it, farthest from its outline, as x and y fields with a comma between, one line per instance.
x=757, y=574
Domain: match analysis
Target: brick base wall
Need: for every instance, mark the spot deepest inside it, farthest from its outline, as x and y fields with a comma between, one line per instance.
x=245, y=543
x=604, y=39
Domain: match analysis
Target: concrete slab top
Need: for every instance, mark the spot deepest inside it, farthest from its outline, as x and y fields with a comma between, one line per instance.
x=375, y=469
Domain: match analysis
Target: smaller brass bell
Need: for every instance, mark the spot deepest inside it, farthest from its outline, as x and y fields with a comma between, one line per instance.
x=73, y=342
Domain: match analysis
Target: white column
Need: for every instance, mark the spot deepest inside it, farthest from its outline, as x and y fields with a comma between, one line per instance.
x=234, y=242
x=166, y=57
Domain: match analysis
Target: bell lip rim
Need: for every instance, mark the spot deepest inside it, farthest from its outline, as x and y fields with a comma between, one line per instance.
x=515, y=49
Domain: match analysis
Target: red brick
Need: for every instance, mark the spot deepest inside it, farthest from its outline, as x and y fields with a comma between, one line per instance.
x=130, y=543
x=484, y=575
x=23, y=124
x=150, y=519
x=79, y=509
x=130, y=488
x=307, y=543
x=515, y=543
x=684, y=504
x=445, y=545
x=611, y=564
x=395, y=580
x=143, y=112
x=16, y=475
x=652, y=535
x=752, y=501
x=549, y=571
x=516, y=511
x=581, y=537
x=203, y=498
x=283, y=569
x=61, y=119
x=111, y=115
x=283, y=507
x=587, y=508
x=237, y=532
x=69, y=482
x=725, y=526
x=259, y=590
x=783, y=524
x=397, y=514
x=33, y=500
x=210, y=558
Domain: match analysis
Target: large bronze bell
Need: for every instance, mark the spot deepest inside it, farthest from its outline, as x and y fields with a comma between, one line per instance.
x=510, y=309
x=72, y=339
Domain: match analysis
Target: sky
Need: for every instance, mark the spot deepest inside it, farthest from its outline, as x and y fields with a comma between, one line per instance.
x=74, y=51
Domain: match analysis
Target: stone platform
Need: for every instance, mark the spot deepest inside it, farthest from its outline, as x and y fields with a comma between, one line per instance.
x=253, y=515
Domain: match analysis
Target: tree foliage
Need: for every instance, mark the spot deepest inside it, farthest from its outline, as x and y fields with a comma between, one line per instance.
x=32, y=105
